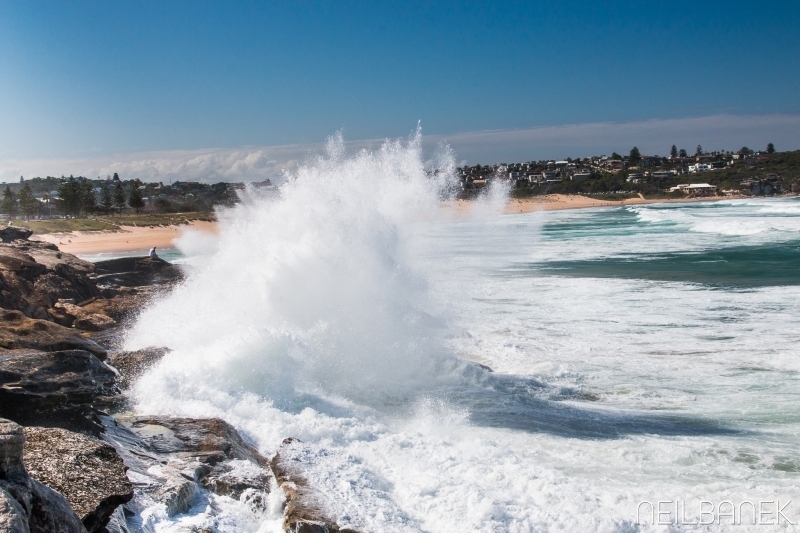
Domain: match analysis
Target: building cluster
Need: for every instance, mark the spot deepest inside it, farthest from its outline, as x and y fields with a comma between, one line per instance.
x=635, y=169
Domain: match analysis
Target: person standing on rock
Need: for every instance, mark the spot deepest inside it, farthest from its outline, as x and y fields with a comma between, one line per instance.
x=152, y=253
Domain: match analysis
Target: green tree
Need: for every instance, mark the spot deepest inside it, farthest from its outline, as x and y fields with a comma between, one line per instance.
x=9, y=203
x=119, y=195
x=116, y=176
x=46, y=199
x=70, y=197
x=163, y=205
x=745, y=150
x=615, y=155
x=673, y=152
x=699, y=150
x=27, y=203
x=88, y=199
x=635, y=156
x=135, y=198
x=683, y=153
x=106, y=199
x=770, y=148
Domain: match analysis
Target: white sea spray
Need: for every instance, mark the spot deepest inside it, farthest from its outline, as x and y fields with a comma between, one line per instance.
x=339, y=310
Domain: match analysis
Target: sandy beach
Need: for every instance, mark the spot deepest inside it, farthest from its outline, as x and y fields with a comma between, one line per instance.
x=556, y=202
x=128, y=238
x=132, y=238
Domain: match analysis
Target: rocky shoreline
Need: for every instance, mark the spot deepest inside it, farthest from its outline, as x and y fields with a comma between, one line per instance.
x=71, y=458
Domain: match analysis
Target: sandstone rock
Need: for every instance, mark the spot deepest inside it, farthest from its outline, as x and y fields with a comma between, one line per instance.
x=94, y=322
x=207, y=440
x=34, y=276
x=20, y=332
x=12, y=516
x=235, y=479
x=54, y=388
x=176, y=492
x=65, y=283
x=18, y=271
x=43, y=509
x=131, y=365
x=124, y=305
x=88, y=472
x=171, y=458
x=51, y=257
x=117, y=523
x=305, y=506
x=13, y=259
x=12, y=233
x=83, y=319
x=136, y=272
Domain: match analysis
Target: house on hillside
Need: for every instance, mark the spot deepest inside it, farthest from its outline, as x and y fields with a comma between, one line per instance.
x=648, y=161
x=699, y=167
x=662, y=174
x=698, y=189
x=582, y=174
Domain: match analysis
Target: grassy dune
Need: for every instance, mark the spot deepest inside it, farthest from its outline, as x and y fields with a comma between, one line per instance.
x=167, y=219
x=65, y=225
x=110, y=223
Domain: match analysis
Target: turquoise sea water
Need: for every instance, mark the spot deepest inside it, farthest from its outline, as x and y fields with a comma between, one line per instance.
x=170, y=254
x=751, y=244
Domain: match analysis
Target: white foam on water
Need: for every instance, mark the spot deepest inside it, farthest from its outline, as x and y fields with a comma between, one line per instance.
x=736, y=218
x=340, y=311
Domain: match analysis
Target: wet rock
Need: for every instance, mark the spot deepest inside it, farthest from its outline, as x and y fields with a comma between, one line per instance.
x=206, y=440
x=136, y=272
x=131, y=365
x=27, y=505
x=305, y=509
x=235, y=479
x=172, y=459
x=176, y=492
x=88, y=472
x=21, y=332
x=13, y=518
x=117, y=523
x=57, y=389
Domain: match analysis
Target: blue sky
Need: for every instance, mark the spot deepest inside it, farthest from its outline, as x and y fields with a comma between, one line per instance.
x=83, y=80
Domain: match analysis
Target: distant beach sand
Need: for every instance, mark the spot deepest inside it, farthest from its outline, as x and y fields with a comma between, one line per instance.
x=130, y=238
x=555, y=202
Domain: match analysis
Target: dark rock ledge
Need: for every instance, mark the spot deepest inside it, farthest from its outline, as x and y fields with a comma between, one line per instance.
x=74, y=467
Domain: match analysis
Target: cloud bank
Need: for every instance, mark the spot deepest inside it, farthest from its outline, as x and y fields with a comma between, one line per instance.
x=728, y=132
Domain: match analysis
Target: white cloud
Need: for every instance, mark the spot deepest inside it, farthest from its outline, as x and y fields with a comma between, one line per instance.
x=655, y=136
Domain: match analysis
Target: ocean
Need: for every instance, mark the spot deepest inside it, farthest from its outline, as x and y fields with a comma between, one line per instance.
x=639, y=354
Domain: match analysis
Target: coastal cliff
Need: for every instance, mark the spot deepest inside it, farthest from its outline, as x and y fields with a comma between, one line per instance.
x=71, y=458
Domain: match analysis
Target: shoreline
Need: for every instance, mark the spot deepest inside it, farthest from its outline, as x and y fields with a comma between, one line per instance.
x=127, y=239
x=134, y=238
x=558, y=202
